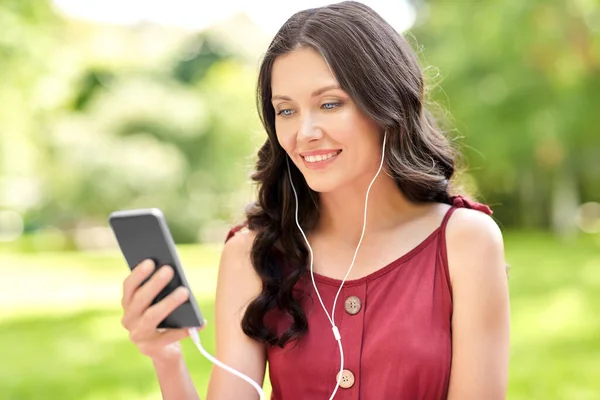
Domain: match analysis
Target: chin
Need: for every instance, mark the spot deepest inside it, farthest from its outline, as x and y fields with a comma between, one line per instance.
x=323, y=184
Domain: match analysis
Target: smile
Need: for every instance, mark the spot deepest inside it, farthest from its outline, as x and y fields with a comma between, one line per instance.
x=320, y=161
x=321, y=157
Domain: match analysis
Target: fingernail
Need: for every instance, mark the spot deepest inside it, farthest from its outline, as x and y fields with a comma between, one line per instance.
x=180, y=293
x=165, y=272
x=148, y=265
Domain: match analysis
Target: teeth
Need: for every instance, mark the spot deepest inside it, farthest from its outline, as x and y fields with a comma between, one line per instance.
x=318, y=158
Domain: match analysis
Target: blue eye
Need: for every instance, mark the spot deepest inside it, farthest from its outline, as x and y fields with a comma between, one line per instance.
x=286, y=112
x=330, y=106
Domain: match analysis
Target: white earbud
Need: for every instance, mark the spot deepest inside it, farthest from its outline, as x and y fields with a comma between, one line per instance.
x=336, y=332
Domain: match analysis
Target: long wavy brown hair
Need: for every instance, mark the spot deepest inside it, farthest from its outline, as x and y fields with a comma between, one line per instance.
x=378, y=69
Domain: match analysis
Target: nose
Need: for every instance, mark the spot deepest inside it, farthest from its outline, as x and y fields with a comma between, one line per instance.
x=309, y=130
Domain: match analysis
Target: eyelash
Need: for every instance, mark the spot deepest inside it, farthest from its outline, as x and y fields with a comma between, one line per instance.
x=336, y=104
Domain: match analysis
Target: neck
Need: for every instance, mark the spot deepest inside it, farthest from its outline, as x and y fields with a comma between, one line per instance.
x=342, y=211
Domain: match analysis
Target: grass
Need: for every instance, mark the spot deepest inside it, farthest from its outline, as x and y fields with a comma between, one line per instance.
x=555, y=294
x=60, y=333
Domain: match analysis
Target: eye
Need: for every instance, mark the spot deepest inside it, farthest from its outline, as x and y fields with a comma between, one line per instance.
x=330, y=106
x=286, y=112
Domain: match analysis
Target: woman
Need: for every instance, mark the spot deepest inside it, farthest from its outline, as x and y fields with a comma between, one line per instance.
x=418, y=281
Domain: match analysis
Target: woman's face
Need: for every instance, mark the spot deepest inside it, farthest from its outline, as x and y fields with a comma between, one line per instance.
x=331, y=141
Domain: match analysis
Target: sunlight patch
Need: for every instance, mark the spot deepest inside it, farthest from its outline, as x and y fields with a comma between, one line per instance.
x=562, y=314
x=106, y=329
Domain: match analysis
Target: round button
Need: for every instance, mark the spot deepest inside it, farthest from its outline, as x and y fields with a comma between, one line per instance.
x=347, y=379
x=352, y=305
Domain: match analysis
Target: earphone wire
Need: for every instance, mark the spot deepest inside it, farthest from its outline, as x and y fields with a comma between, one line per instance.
x=331, y=317
x=194, y=334
x=196, y=339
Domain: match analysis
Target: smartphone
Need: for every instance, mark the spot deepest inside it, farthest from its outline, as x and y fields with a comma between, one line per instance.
x=144, y=234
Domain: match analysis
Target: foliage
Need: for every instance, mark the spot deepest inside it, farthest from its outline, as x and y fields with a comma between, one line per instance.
x=521, y=80
x=98, y=117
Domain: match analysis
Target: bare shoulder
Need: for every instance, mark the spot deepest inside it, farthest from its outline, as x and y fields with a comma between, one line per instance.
x=480, y=304
x=237, y=282
x=237, y=250
x=474, y=241
x=465, y=222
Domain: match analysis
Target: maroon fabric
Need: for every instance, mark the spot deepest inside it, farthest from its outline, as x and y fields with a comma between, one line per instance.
x=461, y=201
x=398, y=346
x=233, y=231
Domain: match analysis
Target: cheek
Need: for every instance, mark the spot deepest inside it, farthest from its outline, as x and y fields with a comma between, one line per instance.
x=348, y=126
x=286, y=135
x=287, y=142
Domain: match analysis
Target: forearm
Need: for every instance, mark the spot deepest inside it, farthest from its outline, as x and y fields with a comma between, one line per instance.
x=175, y=380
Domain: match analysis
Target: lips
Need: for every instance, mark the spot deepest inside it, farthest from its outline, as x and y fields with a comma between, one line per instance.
x=312, y=158
x=319, y=159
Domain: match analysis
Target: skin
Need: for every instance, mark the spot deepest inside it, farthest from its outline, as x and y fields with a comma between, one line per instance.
x=331, y=120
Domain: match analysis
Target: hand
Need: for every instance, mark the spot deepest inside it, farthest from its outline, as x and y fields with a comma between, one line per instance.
x=141, y=318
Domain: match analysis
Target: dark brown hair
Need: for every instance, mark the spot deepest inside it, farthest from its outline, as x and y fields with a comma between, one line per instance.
x=378, y=69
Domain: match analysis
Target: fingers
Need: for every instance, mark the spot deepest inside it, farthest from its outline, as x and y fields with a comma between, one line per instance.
x=143, y=297
x=135, y=279
x=158, y=312
x=146, y=325
x=144, y=328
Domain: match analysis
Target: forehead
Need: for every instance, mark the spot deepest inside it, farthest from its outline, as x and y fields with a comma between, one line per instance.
x=300, y=71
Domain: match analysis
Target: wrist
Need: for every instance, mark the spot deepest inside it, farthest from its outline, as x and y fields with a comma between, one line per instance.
x=167, y=357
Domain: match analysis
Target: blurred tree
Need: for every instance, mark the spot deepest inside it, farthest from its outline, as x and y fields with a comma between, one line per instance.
x=28, y=32
x=142, y=138
x=200, y=53
x=521, y=81
x=96, y=118
x=100, y=117
x=92, y=81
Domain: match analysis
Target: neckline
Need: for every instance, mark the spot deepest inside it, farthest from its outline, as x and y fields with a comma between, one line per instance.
x=381, y=271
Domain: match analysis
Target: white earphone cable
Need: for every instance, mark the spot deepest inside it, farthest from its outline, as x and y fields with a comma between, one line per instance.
x=196, y=339
x=331, y=318
x=336, y=333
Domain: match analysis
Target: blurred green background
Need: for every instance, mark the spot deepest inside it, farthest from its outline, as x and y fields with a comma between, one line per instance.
x=125, y=110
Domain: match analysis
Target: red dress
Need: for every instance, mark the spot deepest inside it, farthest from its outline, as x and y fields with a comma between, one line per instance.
x=395, y=325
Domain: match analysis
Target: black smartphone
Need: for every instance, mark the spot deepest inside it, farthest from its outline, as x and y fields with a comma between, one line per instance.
x=144, y=234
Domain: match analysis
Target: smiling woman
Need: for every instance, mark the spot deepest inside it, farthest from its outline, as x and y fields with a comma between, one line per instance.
x=423, y=307
x=317, y=122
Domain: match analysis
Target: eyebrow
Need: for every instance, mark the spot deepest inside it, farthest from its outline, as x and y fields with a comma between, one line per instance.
x=313, y=94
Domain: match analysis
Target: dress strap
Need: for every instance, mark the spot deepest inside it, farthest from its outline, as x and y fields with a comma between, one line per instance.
x=447, y=217
x=235, y=230
x=456, y=203
x=463, y=202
